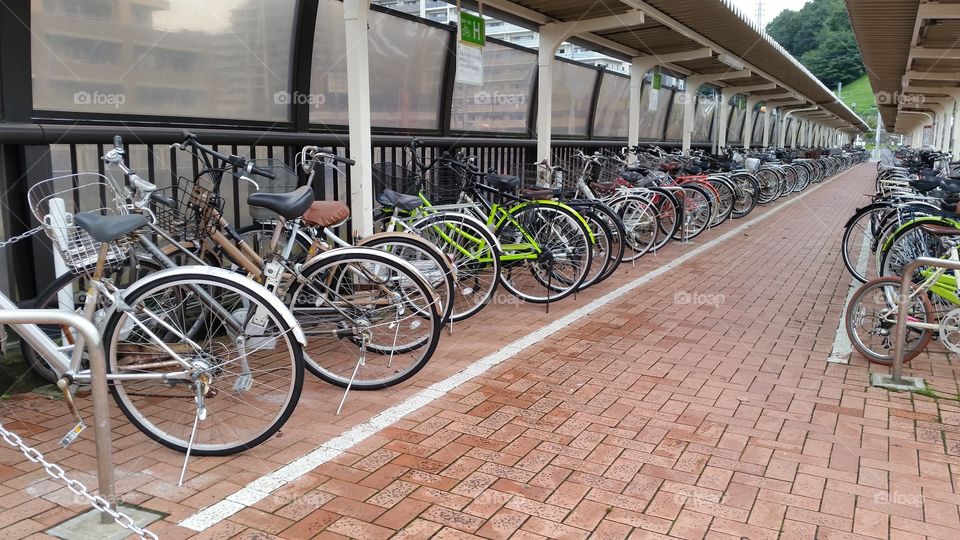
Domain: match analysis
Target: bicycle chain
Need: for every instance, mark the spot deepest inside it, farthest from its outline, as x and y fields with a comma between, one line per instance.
x=75, y=486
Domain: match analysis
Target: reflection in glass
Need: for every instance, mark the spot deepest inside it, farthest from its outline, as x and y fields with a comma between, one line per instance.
x=613, y=104
x=406, y=70
x=572, y=93
x=160, y=58
x=502, y=104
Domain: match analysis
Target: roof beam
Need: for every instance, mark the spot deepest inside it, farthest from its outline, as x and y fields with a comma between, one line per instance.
x=597, y=24
x=937, y=54
x=749, y=89
x=932, y=75
x=935, y=10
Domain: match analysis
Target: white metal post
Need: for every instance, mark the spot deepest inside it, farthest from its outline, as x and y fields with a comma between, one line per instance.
x=748, y=121
x=355, y=16
x=551, y=36
x=767, y=118
x=725, y=95
x=638, y=70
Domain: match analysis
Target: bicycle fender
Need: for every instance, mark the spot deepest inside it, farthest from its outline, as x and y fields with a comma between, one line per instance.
x=231, y=277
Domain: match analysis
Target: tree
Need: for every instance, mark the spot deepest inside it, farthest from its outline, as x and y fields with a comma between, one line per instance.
x=819, y=34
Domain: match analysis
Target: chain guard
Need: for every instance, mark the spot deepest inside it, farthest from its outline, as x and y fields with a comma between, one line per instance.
x=950, y=330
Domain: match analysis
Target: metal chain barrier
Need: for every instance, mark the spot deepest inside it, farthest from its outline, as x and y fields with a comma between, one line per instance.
x=20, y=237
x=77, y=487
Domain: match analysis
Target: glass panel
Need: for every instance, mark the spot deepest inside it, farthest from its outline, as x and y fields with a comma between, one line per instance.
x=572, y=92
x=702, y=132
x=675, y=122
x=758, y=118
x=328, y=80
x=406, y=70
x=161, y=58
x=613, y=107
x=502, y=104
x=649, y=128
x=735, y=135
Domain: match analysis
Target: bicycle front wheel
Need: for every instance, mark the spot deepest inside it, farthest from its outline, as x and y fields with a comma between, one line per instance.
x=872, y=319
x=246, y=364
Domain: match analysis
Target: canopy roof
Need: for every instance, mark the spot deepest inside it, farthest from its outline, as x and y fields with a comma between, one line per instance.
x=669, y=27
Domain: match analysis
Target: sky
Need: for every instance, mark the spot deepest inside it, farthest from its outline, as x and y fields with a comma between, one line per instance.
x=771, y=8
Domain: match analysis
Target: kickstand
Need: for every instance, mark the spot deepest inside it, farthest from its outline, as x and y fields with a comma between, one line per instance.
x=549, y=282
x=360, y=361
x=201, y=414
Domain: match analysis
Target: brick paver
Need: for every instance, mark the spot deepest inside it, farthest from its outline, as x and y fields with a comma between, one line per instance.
x=655, y=417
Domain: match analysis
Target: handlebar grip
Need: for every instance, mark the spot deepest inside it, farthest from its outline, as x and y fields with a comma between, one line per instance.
x=187, y=135
x=345, y=161
x=160, y=198
x=118, y=142
x=415, y=143
x=261, y=172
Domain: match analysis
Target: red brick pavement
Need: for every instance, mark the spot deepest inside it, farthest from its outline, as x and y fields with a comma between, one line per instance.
x=651, y=418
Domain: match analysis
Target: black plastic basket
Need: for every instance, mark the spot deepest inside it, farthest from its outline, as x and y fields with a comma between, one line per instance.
x=444, y=182
x=396, y=178
x=193, y=212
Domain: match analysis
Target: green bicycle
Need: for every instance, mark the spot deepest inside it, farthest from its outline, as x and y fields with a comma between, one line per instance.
x=541, y=250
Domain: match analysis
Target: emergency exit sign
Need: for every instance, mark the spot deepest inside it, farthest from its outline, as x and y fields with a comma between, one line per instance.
x=472, y=29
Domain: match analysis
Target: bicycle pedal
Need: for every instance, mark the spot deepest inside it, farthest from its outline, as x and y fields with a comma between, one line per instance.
x=72, y=435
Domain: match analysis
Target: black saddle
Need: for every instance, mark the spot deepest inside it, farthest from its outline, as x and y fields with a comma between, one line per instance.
x=108, y=228
x=503, y=182
x=393, y=199
x=925, y=185
x=289, y=205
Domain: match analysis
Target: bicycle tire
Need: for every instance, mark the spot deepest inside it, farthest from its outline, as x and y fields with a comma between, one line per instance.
x=181, y=404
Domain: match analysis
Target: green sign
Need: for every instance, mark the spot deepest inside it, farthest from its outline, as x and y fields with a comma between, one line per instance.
x=657, y=78
x=472, y=29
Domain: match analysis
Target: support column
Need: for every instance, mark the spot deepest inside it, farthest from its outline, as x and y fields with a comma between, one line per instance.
x=638, y=70
x=551, y=36
x=748, y=121
x=767, y=117
x=355, y=15
x=725, y=95
x=949, y=118
x=955, y=147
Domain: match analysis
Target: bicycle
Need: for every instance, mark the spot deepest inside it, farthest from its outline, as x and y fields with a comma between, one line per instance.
x=873, y=309
x=200, y=360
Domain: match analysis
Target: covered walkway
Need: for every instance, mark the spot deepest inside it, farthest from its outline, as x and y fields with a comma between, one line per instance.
x=695, y=400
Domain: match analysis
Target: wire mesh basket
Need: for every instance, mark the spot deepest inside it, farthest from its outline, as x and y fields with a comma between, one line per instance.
x=286, y=181
x=396, y=178
x=195, y=206
x=444, y=182
x=55, y=202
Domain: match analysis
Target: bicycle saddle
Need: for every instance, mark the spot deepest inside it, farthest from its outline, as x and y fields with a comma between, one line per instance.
x=692, y=169
x=289, y=205
x=326, y=213
x=108, y=228
x=925, y=185
x=940, y=230
x=393, y=199
x=502, y=181
x=539, y=193
x=950, y=185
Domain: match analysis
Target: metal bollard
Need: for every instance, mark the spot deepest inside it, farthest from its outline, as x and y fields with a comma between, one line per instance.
x=98, y=375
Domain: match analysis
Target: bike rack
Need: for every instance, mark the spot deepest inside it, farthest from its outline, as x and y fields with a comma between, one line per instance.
x=98, y=375
x=896, y=380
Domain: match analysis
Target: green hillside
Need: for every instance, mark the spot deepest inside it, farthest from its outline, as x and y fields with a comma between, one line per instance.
x=858, y=95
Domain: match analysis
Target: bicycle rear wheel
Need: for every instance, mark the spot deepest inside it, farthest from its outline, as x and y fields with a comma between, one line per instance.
x=247, y=360
x=369, y=317
x=871, y=320
x=547, y=252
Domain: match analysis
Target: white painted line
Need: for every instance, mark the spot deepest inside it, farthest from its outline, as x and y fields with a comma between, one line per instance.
x=262, y=487
x=842, y=348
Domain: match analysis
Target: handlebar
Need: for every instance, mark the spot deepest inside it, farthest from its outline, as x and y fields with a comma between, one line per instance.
x=237, y=162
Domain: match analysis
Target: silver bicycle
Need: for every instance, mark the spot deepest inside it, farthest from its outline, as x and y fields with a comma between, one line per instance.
x=200, y=359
